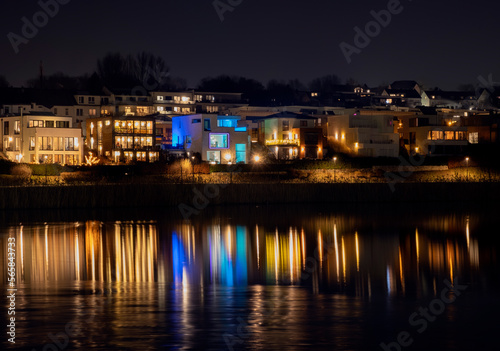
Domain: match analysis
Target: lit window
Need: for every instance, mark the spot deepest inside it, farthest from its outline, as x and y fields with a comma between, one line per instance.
x=474, y=138
x=219, y=141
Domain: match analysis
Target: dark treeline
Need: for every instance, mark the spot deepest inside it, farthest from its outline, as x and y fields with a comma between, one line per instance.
x=149, y=72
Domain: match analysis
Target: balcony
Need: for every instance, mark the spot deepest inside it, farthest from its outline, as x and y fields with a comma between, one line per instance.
x=295, y=142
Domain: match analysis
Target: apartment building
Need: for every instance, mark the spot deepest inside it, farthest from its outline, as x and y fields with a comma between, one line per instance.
x=41, y=138
x=123, y=139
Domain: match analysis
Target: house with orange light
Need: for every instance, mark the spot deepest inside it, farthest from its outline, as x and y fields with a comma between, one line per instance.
x=290, y=135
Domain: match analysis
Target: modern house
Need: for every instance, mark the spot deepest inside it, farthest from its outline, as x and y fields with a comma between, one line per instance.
x=218, y=139
x=433, y=135
x=399, y=97
x=41, y=138
x=291, y=135
x=123, y=139
x=450, y=99
x=363, y=133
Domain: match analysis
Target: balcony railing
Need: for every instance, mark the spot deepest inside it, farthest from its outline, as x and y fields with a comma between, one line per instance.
x=283, y=142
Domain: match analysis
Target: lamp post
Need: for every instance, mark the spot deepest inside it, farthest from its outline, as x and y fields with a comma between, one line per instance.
x=467, y=163
x=192, y=164
x=334, y=168
x=46, y=169
x=228, y=159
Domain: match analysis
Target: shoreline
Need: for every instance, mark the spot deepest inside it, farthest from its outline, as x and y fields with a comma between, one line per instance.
x=195, y=197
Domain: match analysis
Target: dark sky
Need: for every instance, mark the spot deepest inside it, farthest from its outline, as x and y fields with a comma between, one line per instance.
x=438, y=43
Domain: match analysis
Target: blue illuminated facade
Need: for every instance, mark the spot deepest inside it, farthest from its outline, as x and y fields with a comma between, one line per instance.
x=218, y=139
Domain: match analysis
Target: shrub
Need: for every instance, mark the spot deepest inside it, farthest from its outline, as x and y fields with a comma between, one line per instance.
x=21, y=170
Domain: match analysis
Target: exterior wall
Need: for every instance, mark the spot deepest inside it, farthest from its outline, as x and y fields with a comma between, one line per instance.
x=432, y=135
x=173, y=103
x=164, y=134
x=55, y=141
x=286, y=137
x=364, y=135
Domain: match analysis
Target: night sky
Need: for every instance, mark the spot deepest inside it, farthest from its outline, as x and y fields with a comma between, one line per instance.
x=438, y=43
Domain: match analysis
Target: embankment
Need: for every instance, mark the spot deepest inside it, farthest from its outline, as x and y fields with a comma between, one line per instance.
x=201, y=195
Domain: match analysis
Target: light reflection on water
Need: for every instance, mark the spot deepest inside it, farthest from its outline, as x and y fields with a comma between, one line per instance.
x=314, y=282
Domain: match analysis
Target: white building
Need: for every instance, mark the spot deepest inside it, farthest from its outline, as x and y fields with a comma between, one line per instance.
x=364, y=134
x=41, y=138
x=219, y=139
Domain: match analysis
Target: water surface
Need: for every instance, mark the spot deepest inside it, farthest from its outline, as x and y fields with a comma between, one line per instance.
x=255, y=278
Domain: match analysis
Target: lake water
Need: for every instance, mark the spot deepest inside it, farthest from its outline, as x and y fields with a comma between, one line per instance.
x=374, y=277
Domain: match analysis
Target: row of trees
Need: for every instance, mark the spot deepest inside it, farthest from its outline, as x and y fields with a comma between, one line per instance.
x=150, y=72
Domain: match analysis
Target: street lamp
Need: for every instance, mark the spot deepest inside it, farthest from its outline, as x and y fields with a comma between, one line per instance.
x=334, y=167
x=467, y=163
x=256, y=158
x=228, y=159
x=192, y=164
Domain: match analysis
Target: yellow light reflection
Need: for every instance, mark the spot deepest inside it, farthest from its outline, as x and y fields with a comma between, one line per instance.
x=401, y=274
x=320, y=248
x=417, y=247
x=467, y=232
x=357, y=251
x=291, y=255
x=343, y=259
x=257, y=244
x=336, y=250
x=303, y=242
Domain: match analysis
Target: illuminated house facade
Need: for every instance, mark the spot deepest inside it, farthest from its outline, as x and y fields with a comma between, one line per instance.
x=219, y=139
x=164, y=132
x=432, y=135
x=291, y=135
x=363, y=133
x=192, y=102
x=41, y=139
x=122, y=139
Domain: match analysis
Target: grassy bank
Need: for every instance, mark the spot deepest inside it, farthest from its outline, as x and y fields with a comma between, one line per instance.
x=199, y=196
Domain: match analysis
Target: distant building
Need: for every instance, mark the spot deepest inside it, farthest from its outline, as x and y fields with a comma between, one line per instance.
x=399, y=97
x=218, y=139
x=17, y=101
x=41, y=138
x=450, y=99
x=406, y=85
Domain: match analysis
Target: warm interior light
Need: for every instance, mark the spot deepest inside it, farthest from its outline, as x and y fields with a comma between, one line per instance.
x=256, y=158
x=227, y=157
